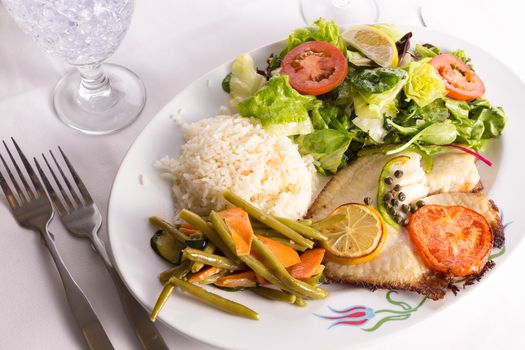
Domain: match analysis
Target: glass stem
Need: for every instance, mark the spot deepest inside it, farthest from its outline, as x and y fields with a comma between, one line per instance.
x=95, y=93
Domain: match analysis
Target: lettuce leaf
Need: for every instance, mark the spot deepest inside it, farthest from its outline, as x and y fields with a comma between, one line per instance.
x=280, y=108
x=376, y=80
x=322, y=30
x=327, y=147
x=476, y=121
x=243, y=80
x=426, y=51
x=424, y=85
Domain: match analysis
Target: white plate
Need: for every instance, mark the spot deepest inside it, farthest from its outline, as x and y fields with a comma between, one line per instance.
x=281, y=326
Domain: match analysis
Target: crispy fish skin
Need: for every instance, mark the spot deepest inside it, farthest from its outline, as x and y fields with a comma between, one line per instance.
x=399, y=266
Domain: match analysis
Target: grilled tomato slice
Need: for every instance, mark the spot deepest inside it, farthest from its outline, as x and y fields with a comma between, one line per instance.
x=315, y=67
x=461, y=81
x=451, y=239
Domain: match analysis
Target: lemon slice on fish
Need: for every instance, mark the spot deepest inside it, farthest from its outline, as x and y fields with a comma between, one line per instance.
x=373, y=43
x=355, y=234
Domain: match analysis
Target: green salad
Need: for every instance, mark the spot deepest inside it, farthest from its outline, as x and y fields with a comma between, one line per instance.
x=339, y=95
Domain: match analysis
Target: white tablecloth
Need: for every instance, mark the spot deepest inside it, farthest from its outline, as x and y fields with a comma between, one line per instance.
x=169, y=44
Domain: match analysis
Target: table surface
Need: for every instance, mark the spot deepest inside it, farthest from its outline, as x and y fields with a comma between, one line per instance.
x=166, y=39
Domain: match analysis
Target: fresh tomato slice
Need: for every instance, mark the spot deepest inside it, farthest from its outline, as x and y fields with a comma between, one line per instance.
x=315, y=67
x=461, y=81
x=451, y=239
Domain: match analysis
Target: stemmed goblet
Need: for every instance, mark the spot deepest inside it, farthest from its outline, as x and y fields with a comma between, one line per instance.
x=95, y=98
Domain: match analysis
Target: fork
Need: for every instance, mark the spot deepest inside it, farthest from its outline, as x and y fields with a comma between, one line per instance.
x=33, y=210
x=81, y=217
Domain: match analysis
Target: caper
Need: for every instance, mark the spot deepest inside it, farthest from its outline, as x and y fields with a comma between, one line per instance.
x=398, y=173
x=398, y=218
x=401, y=196
x=405, y=208
x=405, y=222
x=413, y=209
x=394, y=202
x=397, y=187
x=420, y=203
x=387, y=197
x=389, y=180
x=391, y=210
x=367, y=200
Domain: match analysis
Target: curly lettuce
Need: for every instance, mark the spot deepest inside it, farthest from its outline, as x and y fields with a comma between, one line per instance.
x=280, y=108
x=424, y=85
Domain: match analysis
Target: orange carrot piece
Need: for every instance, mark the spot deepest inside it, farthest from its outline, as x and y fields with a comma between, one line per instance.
x=204, y=273
x=286, y=255
x=310, y=262
x=187, y=229
x=261, y=280
x=238, y=280
x=238, y=223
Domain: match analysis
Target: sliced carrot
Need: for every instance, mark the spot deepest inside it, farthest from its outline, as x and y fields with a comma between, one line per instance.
x=204, y=273
x=238, y=280
x=260, y=279
x=187, y=229
x=286, y=255
x=309, y=265
x=238, y=223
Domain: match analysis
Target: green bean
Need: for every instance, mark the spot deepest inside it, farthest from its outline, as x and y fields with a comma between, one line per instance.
x=267, y=219
x=224, y=233
x=305, y=230
x=180, y=271
x=208, y=230
x=249, y=260
x=215, y=300
x=197, y=266
x=277, y=269
x=274, y=294
x=212, y=259
x=161, y=301
x=307, y=222
x=300, y=302
x=166, y=226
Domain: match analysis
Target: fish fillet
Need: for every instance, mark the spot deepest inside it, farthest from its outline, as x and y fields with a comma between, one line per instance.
x=399, y=266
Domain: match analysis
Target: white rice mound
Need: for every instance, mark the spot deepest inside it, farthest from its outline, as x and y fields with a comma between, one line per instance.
x=235, y=153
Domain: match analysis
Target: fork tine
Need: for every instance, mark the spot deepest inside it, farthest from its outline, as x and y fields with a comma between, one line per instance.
x=59, y=184
x=78, y=181
x=34, y=178
x=56, y=200
x=66, y=181
x=19, y=172
x=11, y=199
x=21, y=194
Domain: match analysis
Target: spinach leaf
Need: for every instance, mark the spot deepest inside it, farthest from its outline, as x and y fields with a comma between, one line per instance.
x=376, y=80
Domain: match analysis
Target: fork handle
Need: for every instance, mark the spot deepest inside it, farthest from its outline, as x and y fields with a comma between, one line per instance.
x=92, y=330
x=145, y=330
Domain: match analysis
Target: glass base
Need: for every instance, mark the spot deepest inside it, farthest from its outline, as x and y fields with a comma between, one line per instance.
x=343, y=12
x=105, y=113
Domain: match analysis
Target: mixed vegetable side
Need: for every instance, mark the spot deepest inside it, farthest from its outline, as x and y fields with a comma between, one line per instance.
x=338, y=94
x=237, y=248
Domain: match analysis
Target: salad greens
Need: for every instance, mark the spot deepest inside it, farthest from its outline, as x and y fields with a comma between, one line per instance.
x=280, y=107
x=243, y=81
x=424, y=85
x=391, y=109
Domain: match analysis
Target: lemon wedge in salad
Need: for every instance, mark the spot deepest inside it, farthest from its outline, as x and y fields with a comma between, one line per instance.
x=355, y=234
x=373, y=43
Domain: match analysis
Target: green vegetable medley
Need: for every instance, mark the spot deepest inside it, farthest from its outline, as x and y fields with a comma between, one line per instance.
x=405, y=106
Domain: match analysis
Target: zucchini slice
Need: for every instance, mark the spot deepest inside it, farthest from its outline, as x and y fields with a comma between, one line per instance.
x=166, y=246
